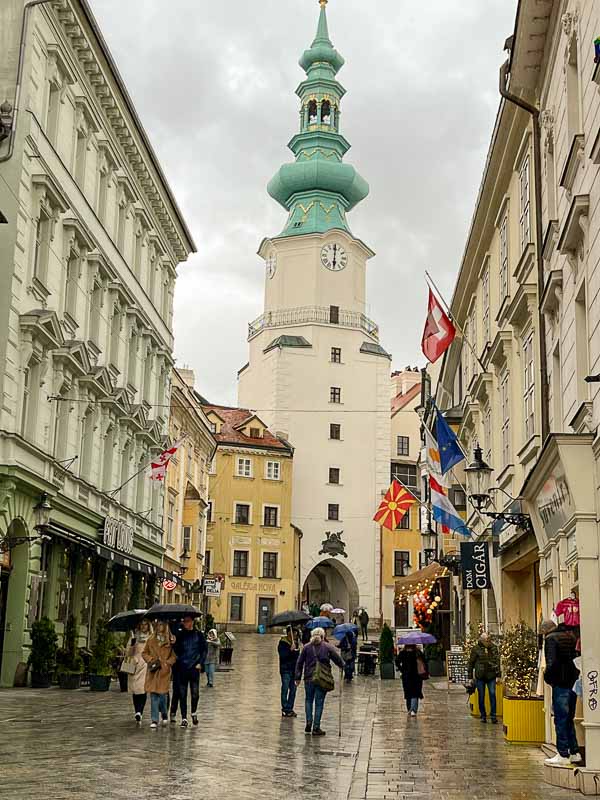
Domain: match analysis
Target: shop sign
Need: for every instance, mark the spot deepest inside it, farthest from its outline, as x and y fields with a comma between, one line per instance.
x=475, y=565
x=212, y=586
x=118, y=535
x=169, y=585
x=554, y=503
x=252, y=586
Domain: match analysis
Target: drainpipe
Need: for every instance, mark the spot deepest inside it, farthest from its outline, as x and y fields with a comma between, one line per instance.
x=537, y=171
x=26, y=13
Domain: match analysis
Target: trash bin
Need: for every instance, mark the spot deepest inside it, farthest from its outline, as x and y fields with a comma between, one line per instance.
x=262, y=629
x=226, y=651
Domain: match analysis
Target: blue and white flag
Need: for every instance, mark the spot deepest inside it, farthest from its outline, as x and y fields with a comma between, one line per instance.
x=450, y=451
x=443, y=510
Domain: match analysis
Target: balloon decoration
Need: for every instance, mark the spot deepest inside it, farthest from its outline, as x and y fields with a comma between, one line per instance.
x=425, y=603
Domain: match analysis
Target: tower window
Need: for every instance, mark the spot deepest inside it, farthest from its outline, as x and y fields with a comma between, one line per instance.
x=333, y=511
x=335, y=431
x=326, y=112
x=336, y=355
x=334, y=315
x=335, y=394
x=334, y=475
x=312, y=112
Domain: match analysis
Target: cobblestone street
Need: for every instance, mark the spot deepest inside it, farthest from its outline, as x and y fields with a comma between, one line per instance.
x=56, y=745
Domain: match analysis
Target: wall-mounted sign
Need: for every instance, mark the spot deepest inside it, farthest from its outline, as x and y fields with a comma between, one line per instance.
x=169, y=585
x=475, y=565
x=118, y=535
x=554, y=503
x=212, y=585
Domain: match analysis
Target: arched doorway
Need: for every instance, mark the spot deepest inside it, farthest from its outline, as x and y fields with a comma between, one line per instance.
x=332, y=582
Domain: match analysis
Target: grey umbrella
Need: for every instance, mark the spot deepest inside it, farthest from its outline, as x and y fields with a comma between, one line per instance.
x=126, y=620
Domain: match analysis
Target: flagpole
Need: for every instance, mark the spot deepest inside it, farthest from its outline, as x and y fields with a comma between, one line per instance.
x=412, y=494
x=149, y=464
x=454, y=322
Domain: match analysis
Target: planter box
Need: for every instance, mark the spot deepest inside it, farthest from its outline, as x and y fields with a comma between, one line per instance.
x=40, y=680
x=387, y=671
x=99, y=683
x=69, y=680
x=474, y=702
x=437, y=669
x=524, y=719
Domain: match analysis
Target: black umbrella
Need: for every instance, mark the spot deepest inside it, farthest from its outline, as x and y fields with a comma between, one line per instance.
x=289, y=618
x=168, y=611
x=126, y=620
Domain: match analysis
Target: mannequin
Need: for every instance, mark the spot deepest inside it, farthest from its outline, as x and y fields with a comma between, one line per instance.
x=568, y=609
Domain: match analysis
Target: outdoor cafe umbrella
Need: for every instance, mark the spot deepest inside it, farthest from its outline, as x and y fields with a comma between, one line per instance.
x=320, y=622
x=169, y=611
x=346, y=627
x=289, y=618
x=417, y=637
x=126, y=621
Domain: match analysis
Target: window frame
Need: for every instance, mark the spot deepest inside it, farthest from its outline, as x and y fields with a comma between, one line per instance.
x=337, y=427
x=335, y=395
x=170, y=522
x=266, y=555
x=246, y=460
x=336, y=513
x=189, y=534
x=246, y=563
x=207, y=563
x=339, y=475
x=336, y=355
x=403, y=451
x=403, y=561
x=240, y=605
x=525, y=202
x=405, y=522
x=505, y=416
x=271, y=507
x=273, y=477
x=406, y=480
x=238, y=504
x=528, y=351
x=504, y=257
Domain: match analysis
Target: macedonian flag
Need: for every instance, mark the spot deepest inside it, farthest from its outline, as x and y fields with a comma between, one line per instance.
x=394, y=506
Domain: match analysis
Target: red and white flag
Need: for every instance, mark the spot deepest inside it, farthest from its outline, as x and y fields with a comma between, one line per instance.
x=158, y=468
x=439, y=331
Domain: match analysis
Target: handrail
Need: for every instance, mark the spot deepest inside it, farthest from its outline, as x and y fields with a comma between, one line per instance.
x=321, y=315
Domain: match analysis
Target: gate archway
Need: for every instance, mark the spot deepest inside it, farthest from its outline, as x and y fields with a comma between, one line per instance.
x=331, y=581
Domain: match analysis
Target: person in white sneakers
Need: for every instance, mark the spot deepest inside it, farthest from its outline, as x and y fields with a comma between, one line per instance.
x=561, y=674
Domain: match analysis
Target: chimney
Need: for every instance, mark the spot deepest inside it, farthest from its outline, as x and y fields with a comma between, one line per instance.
x=187, y=376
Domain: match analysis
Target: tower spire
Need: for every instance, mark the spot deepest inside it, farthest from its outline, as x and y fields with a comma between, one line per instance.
x=318, y=188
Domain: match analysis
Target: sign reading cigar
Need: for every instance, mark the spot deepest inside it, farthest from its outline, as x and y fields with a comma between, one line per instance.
x=475, y=565
x=118, y=535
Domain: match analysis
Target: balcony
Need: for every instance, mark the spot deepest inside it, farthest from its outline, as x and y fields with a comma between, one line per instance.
x=320, y=315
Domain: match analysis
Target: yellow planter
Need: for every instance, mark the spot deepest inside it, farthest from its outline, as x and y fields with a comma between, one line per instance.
x=524, y=720
x=474, y=702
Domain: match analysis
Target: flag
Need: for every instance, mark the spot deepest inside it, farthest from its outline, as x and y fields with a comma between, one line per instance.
x=158, y=468
x=394, y=506
x=448, y=446
x=432, y=455
x=442, y=509
x=439, y=330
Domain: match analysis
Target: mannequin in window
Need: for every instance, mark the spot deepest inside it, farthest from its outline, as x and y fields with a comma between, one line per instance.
x=326, y=112
x=568, y=609
x=312, y=112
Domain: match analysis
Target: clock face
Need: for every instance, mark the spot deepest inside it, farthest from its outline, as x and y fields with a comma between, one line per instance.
x=334, y=257
x=271, y=265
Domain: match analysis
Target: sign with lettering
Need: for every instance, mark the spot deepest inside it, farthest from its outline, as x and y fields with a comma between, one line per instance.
x=475, y=565
x=590, y=678
x=252, y=586
x=212, y=586
x=456, y=663
x=118, y=535
x=554, y=503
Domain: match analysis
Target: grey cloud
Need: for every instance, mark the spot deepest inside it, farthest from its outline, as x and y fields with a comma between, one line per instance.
x=214, y=84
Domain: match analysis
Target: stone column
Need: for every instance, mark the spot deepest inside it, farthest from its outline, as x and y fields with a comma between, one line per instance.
x=589, y=598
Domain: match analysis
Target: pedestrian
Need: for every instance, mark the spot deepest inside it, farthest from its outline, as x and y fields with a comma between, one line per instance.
x=190, y=649
x=317, y=652
x=288, y=651
x=136, y=681
x=412, y=664
x=562, y=674
x=348, y=651
x=212, y=656
x=363, y=618
x=159, y=656
x=484, y=666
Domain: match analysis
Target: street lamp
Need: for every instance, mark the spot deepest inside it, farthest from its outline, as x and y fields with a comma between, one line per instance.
x=42, y=512
x=184, y=560
x=429, y=538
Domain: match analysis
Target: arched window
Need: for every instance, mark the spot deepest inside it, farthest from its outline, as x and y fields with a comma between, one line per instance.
x=326, y=112
x=312, y=112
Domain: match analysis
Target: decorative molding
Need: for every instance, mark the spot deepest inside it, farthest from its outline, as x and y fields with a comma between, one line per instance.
x=569, y=22
x=573, y=235
x=552, y=294
x=574, y=159
x=550, y=239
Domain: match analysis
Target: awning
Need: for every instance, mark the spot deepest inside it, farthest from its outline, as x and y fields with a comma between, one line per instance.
x=421, y=579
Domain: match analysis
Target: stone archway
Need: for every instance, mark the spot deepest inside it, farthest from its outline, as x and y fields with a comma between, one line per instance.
x=330, y=581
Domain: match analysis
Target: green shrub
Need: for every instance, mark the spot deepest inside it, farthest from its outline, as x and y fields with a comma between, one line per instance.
x=386, y=646
x=68, y=658
x=103, y=650
x=519, y=651
x=44, y=646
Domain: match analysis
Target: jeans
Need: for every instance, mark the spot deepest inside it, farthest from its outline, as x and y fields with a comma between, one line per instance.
x=159, y=704
x=288, y=691
x=176, y=692
x=349, y=669
x=139, y=703
x=491, y=687
x=412, y=704
x=563, y=705
x=210, y=673
x=365, y=632
x=314, y=696
x=191, y=678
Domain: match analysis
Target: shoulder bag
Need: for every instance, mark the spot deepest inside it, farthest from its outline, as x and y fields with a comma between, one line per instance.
x=323, y=676
x=128, y=665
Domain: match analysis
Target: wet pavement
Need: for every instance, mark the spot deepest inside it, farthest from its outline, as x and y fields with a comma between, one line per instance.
x=56, y=745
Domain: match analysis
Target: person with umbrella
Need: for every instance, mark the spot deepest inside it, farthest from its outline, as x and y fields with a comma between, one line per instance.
x=315, y=658
x=347, y=634
x=190, y=648
x=412, y=664
x=136, y=680
x=288, y=651
x=159, y=656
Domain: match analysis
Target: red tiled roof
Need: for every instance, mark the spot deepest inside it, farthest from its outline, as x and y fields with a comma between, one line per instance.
x=234, y=418
x=402, y=400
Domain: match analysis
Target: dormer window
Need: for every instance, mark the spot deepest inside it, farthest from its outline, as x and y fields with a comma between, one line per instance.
x=255, y=433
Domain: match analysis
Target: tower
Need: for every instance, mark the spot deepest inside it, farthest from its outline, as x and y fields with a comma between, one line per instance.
x=317, y=373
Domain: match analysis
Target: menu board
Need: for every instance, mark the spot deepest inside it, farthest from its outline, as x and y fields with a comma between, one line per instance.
x=457, y=667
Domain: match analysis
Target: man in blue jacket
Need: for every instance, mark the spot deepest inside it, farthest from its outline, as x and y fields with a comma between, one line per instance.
x=288, y=656
x=190, y=648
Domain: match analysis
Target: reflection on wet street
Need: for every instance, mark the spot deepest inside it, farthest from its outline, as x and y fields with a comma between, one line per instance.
x=58, y=745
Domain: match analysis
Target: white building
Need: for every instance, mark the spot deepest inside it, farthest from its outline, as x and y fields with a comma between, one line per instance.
x=317, y=373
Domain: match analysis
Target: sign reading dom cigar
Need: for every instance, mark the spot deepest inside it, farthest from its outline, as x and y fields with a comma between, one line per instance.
x=475, y=565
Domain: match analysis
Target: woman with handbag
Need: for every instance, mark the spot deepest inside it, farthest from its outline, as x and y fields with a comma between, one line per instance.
x=135, y=667
x=159, y=656
x=413, y=666
x=315, y=661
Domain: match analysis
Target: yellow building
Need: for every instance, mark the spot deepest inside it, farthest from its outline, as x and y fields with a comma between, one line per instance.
x=251, y=542
x=186, y=490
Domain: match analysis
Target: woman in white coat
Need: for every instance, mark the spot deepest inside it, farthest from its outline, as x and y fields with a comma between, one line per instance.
x=136, y=681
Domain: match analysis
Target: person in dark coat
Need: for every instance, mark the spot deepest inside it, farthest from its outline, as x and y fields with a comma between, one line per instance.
x=348, y=651
x=363, y=618
x=561, y=674
x=190, y=648
x=288, y=651
x=484, y=665
x=413, y=666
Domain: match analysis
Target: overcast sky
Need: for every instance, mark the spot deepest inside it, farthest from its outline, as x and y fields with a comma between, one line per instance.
x=214, y=85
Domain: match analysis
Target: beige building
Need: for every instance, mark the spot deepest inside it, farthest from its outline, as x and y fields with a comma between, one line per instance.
x=86, y=288
x=186, y=489
x=532, y=403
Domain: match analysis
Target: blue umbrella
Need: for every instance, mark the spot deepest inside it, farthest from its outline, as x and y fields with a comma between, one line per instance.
x=346, y=627
x=320, y=622
x=417, y=637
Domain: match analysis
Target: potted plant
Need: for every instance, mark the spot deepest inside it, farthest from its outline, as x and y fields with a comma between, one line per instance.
x=69, y=662
x=386, y=653
x=102, y=655
x=435, y=656
x=42, y=659
x=523, y=710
